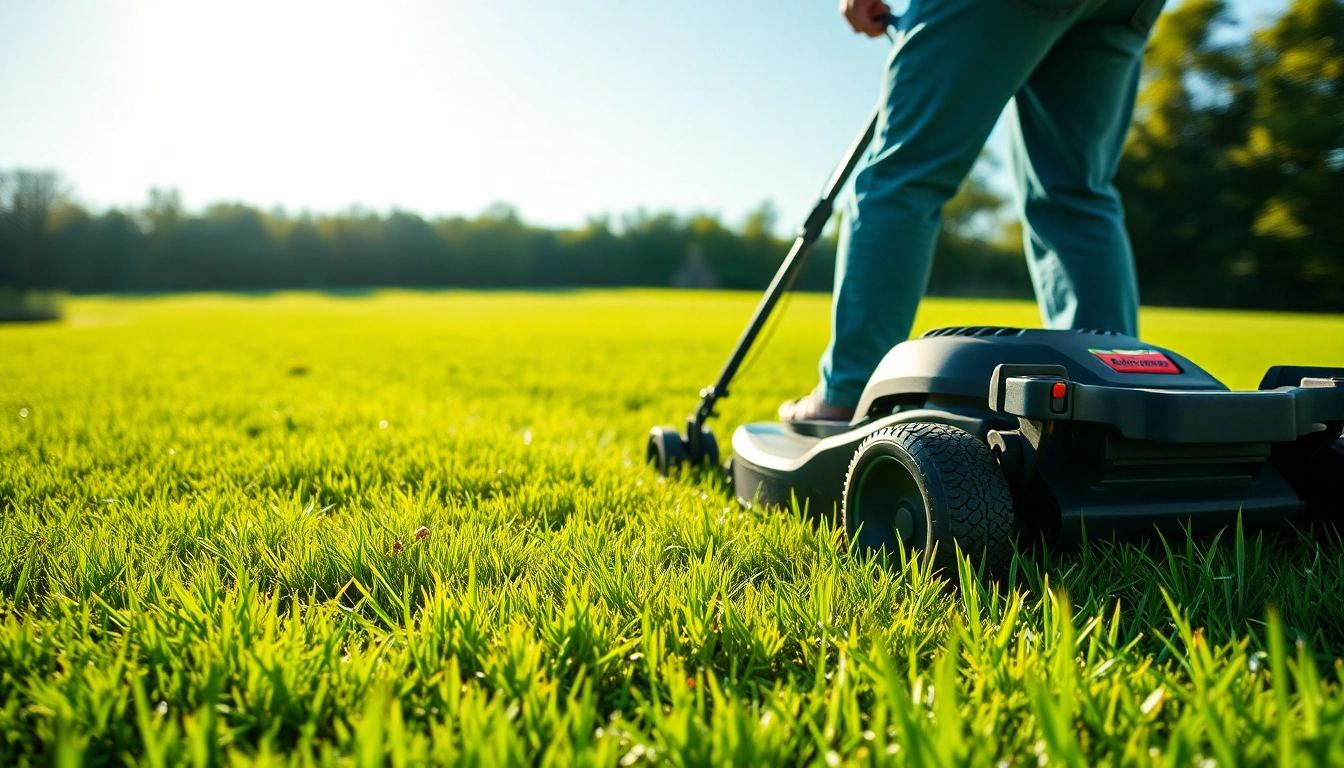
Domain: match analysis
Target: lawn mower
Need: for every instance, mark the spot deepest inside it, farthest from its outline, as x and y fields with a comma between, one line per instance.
x=974, y=435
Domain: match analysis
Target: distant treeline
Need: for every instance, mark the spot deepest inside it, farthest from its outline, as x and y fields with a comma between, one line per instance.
x=48, y=243
x=1233, y=177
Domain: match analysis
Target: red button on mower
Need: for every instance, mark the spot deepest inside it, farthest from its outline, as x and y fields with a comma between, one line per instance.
x=1059, y=397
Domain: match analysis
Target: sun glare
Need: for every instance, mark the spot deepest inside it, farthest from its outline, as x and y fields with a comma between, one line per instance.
x=275, y=92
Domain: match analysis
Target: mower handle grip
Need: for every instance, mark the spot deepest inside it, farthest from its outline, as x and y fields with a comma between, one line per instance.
x=890, y=21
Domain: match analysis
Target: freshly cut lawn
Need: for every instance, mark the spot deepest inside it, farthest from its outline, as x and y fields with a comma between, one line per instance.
x=208, y=508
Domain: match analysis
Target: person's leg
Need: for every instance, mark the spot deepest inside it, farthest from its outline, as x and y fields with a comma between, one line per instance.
x=1069, y=126
x=946, y=83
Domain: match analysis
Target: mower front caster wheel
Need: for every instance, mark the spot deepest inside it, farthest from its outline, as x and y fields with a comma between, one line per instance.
x=932, y=488
x=667, y=450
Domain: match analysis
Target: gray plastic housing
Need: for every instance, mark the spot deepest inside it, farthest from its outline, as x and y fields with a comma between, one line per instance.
x=962, y=364
x=1172, y=416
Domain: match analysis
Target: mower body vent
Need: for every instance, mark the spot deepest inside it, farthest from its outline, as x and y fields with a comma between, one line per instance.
x=972, y=330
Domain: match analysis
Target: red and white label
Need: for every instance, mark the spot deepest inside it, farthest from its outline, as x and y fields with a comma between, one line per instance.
x=1135, y=360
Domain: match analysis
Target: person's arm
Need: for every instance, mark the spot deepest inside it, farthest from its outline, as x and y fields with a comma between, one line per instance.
x=866, y=16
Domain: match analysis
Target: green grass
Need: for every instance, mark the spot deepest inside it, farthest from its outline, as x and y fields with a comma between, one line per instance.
x=207, y=507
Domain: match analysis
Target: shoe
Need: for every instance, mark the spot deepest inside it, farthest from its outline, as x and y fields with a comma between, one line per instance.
x=812, y=408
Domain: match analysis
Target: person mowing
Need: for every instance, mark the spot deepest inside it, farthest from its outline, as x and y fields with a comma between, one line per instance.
x=1068, y=71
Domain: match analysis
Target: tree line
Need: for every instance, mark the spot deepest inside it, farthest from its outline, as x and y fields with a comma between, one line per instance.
x=1232, y=177
x=48, y=243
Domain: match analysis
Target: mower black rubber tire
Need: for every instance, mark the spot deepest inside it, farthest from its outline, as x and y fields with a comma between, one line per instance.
x=709, y=446
x=666, y=450
x=943, y=482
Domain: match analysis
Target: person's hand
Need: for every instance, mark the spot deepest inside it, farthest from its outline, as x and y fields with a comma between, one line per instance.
x=866, y=16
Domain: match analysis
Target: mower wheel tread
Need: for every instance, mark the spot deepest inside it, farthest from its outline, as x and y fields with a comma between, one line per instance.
x=962, y=478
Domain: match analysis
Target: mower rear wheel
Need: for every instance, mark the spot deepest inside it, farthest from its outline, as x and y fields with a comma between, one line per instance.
x=709, y=449
x=930, y=487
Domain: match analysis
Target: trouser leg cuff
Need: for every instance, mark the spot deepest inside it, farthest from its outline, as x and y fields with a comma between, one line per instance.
x=841, y=397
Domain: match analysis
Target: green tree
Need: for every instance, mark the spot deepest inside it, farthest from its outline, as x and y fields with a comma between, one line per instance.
x=1294, y=147
x=1235, y=160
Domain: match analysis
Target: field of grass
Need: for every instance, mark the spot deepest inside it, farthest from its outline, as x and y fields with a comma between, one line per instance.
x=209, y=554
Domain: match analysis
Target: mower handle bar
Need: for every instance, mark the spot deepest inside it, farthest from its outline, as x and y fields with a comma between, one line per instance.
x=1278, y=415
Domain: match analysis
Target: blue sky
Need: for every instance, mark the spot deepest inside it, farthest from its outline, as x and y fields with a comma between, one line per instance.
x=566, y=110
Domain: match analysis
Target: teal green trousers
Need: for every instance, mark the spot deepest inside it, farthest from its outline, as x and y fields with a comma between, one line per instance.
x=1068, y=72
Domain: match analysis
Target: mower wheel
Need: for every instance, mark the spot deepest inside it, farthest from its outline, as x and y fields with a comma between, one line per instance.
x=666, y=450
x=931, y=487
x=709, y=449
